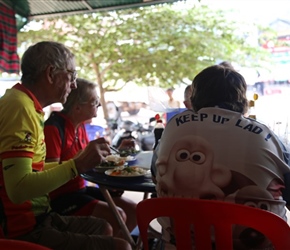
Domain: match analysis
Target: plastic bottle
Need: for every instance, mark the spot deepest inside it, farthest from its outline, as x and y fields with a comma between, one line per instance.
x=251, y=111
x=158, y=130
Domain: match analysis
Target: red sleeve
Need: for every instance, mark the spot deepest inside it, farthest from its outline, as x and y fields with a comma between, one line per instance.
x=52, y=141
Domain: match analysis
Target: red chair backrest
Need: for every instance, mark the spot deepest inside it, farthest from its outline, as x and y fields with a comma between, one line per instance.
x=1, y=233
x=7, y=244
x=203, y=214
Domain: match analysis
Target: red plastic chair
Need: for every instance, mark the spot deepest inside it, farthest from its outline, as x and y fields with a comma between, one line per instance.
x=203, y=214
x=1, y=233
x=7, y=244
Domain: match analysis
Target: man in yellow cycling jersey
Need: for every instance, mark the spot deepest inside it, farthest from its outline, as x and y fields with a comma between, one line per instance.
x=48, y=76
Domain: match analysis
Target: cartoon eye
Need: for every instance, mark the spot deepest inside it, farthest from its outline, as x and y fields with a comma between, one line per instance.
x=264, y=205
x=251, y=204
x=182, y=155
x=197, y=157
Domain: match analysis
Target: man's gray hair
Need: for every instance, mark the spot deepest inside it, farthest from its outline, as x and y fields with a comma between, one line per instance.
x=41, y=55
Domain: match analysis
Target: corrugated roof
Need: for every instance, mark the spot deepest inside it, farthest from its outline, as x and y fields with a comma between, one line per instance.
x=37, y=9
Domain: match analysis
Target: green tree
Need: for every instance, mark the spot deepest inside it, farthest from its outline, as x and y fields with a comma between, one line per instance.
x=162, y=45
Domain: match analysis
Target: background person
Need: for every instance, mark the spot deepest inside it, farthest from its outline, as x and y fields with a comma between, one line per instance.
x=215, y=152
x=48, y=76
x=172, y=103
x=75, y=198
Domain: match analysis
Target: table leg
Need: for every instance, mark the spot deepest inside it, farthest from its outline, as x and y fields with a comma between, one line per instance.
x=122, y=224
x=145, y=196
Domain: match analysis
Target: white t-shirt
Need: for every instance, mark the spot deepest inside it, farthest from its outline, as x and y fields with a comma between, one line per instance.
x=220, y=154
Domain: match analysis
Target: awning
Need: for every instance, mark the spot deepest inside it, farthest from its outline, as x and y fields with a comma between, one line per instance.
x=38, y=9
x=16, y=13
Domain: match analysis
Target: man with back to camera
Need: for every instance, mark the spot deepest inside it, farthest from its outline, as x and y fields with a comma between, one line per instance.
x=214, y=152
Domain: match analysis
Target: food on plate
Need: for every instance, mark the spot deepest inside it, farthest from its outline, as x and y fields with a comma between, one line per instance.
x=128, y=152
x=127, y=171
x=113, y=160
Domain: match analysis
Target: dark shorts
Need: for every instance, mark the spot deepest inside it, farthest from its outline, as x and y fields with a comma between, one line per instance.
x=81, y=202
x=70, y=233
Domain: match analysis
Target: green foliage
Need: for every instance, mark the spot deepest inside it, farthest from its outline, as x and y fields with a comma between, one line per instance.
x=162, y=45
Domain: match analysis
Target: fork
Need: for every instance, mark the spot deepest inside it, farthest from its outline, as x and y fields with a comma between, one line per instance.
x=114, y=149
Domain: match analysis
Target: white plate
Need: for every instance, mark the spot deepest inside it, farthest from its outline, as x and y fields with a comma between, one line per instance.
x=110, y=171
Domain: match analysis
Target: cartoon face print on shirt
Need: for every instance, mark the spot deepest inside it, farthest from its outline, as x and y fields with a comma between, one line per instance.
x=189, y=170
x=254, y=196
